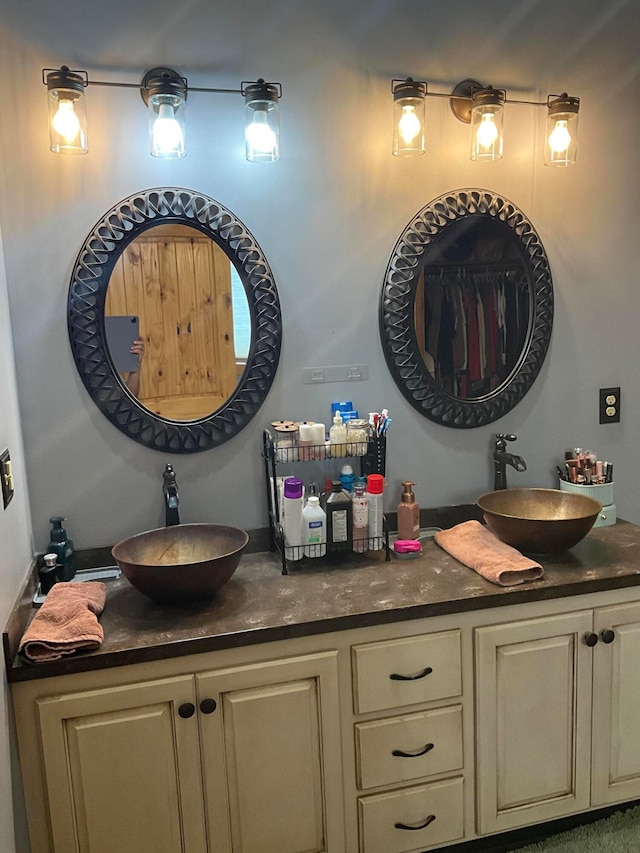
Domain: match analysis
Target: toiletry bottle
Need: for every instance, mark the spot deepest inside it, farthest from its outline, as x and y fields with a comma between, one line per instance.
x=408, y=513
x=375, y=491
x=314, y=528
x=292, y=520
x=48, y=573
x=360, y=505
x=318, y=437
x=338, y=437
x=339, y=517
x=62, y=547
x=305, y=442
x=347, y=478
x=325, y=493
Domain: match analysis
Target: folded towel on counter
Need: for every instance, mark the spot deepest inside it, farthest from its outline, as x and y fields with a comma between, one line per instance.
x=66, y=623
x=476, y=546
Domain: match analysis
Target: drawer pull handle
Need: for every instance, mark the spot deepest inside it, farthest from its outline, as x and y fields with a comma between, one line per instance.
x=426, y=748
x=430, y=819
x=395, y=676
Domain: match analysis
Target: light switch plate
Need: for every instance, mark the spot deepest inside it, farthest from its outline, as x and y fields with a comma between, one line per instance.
x=6, y=478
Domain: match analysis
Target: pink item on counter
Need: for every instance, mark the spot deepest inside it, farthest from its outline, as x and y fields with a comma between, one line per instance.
x=66, y=623
x=474, y=545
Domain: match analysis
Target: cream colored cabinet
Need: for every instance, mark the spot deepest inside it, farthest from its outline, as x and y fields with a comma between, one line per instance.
x=275, y=732
x=556, y=715
x=121, y=769
x=409, y=766
x=244, y=759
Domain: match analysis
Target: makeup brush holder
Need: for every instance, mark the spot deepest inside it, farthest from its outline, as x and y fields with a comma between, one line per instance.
x=602, y=492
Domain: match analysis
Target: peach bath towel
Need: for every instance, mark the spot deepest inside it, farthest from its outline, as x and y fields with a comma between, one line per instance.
x=66, y=623
x=474, y=545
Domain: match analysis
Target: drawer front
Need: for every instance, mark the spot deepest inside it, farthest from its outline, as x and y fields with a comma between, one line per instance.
x=410, y=671
x=405, y=748
x=413, y=819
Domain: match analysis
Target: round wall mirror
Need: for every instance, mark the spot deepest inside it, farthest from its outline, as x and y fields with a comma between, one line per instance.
x=174, y=320
x=467, y=308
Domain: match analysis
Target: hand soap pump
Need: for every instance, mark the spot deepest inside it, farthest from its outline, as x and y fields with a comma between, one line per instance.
x=62, y=547
x=408, y=513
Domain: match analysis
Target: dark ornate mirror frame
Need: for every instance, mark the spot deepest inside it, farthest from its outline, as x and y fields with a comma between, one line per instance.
x=85, y=317
x=397, y=322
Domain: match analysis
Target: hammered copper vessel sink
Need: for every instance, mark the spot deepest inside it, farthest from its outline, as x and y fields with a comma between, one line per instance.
x=539, y=521
x=182, y=563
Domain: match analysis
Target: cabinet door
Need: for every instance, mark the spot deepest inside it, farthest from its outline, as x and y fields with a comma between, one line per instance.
x=616, y=698
x=122, y=769
x=533, y=720
x=271, y=757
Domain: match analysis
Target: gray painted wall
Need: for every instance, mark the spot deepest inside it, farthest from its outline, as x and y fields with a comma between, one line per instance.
x=16, y=551
x=327, y=217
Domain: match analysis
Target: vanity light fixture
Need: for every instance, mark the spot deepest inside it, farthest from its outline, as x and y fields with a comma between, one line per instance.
x=408, y=117
x=164, y=92
x=483, y=108
x=67, y=111
x=487, y=121
x=562, y=130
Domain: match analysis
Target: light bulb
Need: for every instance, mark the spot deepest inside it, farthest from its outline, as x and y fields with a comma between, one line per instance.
x=65, y=122
x=409, y=124
x=559, y=138
x=259, y=135
x=487, y=132
x=167, y=133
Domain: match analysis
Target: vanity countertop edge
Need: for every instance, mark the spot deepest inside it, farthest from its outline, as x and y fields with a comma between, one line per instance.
x=260, y=604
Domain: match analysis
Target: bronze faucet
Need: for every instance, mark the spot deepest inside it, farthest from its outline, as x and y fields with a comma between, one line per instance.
x=501, y=459
x=171, y=499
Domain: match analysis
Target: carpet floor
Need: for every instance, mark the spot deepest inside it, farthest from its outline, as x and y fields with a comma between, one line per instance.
x=619, y=833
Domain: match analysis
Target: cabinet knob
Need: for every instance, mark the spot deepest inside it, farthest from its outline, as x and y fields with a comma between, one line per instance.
x=607, y=636
x=397, y=677
x=429, y=819
x=186, y=710
x=590, y=638
x=208, y=706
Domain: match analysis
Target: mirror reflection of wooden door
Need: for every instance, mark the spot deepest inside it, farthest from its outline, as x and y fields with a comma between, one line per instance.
x=178, y=282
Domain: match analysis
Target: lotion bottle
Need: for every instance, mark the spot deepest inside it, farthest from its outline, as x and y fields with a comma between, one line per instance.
x=292, y=520
x=338, y=437
x=360, y=503
x=375, y=516
x=314, y=524
x=408, y=513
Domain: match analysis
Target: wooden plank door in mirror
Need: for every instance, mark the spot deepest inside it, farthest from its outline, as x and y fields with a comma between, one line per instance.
x=204, y=298
x=178, y=282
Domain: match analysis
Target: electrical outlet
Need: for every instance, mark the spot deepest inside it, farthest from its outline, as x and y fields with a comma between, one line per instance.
x=609, y=406
x=6, y=477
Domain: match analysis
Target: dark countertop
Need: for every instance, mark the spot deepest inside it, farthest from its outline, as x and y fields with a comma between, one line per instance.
x=260, y=604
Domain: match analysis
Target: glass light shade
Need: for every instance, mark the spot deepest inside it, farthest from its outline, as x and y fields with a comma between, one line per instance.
x=487, y=124
x=166, y=126
x=561, y=132
x=262, y=122
x=408, y=118
x=67, y=113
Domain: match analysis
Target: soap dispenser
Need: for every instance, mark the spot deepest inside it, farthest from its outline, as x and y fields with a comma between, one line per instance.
x=62, y=547
x=408, y=513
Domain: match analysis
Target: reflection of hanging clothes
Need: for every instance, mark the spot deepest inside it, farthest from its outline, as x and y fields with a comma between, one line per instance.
x=460, y=338
x=445, y=338
x=473, y=352
x=432, y=311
